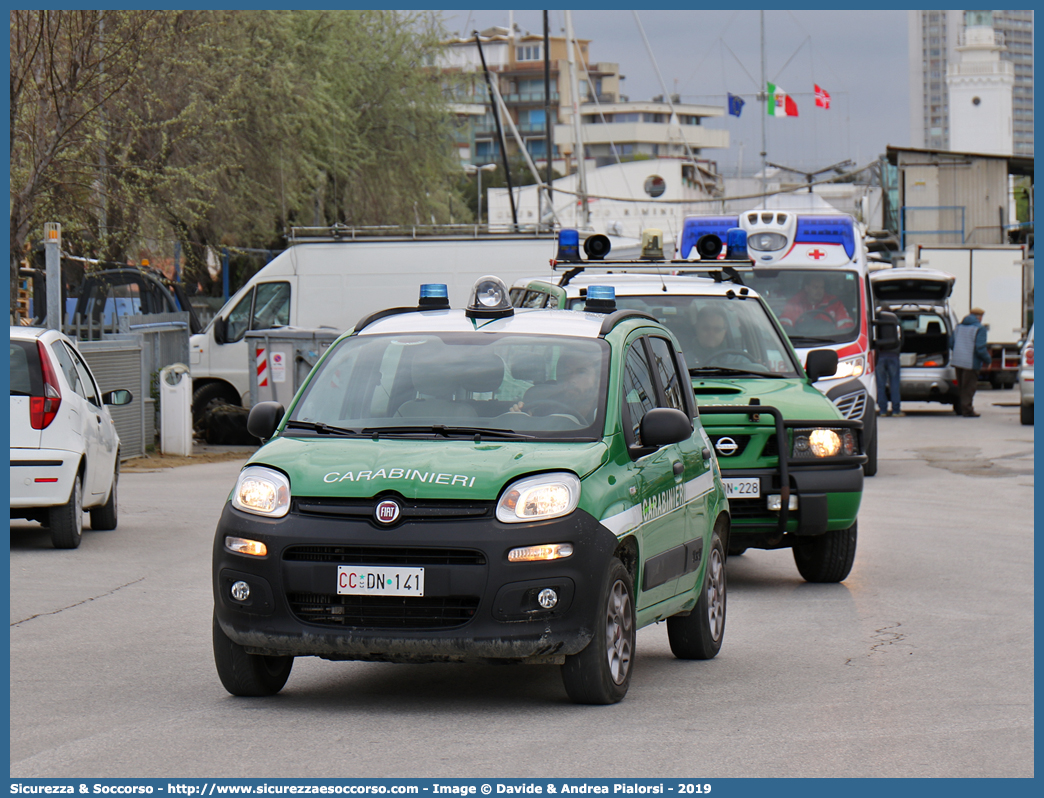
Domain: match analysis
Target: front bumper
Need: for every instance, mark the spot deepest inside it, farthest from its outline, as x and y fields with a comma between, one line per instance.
x=476, y=605
x=42, y=477
x=828, y=490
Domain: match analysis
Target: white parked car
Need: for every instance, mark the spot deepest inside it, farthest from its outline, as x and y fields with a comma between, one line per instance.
x=1026, y=380
x=64, y=447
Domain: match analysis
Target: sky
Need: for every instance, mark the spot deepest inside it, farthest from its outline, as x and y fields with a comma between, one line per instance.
x=859, y=57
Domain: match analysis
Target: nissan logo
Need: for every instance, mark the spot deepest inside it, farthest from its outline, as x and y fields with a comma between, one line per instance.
x=726, y=447
x=387, y=512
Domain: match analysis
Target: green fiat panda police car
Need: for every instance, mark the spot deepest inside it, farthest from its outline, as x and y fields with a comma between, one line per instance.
x=482, y=484
x=756, y=402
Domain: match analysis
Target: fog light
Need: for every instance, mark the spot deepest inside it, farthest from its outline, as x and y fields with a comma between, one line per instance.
x=547, y=598
x=240, y=591
x=775, y=502
x=550, y=551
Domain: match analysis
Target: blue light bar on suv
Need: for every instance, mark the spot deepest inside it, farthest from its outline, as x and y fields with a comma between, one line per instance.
x=695, y=227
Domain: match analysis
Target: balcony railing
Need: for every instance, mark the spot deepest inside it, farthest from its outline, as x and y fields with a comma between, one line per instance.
x=529, y=97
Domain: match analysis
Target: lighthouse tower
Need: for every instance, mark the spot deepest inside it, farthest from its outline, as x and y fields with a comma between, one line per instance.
x=980, y=86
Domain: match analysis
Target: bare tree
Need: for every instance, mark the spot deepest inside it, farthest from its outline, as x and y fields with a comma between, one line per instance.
x=65, y=65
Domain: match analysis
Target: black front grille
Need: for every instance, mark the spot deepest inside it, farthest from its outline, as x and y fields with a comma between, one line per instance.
x=770, y=448
x=384, y=555
x=411, y=509
x=748, y=508
x=740, y=440
x=383, y=612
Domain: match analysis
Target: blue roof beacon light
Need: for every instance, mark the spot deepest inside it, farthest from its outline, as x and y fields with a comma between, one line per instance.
x=736, y=244
x=568, y=246
x=600, y=299
x=433, y=296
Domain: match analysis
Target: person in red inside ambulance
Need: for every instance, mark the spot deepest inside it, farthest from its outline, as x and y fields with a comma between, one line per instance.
x=814, y=303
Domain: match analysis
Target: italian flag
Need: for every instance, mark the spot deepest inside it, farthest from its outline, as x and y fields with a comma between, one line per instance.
x=779, y=102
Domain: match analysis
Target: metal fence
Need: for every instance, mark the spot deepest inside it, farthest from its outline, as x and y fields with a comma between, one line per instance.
x=131, y=358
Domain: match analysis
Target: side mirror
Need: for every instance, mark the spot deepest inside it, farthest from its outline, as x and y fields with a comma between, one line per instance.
x=263, y=419
x=120, y=397
x=662, y=426
x=887, y=331
x=820, y=363
x=220, y=330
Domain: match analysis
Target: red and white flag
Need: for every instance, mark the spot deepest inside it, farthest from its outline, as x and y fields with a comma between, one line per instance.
x=822, y=97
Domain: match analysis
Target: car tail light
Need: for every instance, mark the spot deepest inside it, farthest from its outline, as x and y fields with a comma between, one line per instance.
x=43, y=409
x=1028, y=354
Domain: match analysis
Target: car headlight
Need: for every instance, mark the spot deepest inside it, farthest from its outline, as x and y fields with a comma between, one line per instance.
x=539, y=498
x=820, y=442
x=848, y=368
x=262, y=491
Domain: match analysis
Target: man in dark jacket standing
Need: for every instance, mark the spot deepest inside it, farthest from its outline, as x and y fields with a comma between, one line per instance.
x=969, y=355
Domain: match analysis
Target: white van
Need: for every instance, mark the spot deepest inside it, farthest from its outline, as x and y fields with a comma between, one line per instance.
x=332, y=280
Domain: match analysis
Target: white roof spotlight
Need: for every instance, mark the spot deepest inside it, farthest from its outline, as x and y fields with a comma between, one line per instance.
x=489, y=299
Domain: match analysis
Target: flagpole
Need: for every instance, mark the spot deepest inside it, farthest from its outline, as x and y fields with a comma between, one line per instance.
x=763, y=95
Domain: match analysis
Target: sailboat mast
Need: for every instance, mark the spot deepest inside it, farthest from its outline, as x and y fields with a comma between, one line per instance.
x=763, y=95
x=578, y=144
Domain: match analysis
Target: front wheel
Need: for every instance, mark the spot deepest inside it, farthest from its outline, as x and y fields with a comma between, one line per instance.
x=248, y=674
x=601, y=673
x=870, y=466
x=698, y=635
x=827, y=557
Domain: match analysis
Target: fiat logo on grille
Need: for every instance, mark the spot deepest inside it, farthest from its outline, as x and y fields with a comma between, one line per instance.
x=726, y=447
x=387, y=512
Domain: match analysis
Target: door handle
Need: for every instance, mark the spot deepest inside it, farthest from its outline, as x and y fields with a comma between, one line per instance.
x=679, y=468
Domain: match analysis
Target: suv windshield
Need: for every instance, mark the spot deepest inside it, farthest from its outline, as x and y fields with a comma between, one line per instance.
x=817, y=305
x=458, y=384
x=718, y=333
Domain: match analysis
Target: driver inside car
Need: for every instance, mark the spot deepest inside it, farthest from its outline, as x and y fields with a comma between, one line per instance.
x=712, y=327
x=813, y=302
x=574, y=391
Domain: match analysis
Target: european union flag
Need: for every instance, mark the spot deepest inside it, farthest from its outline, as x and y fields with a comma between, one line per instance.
x=735, y=105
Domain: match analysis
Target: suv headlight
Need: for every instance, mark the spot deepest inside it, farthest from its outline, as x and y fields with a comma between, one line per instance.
x=822, y=442
x=262, y=491
x=539, y=498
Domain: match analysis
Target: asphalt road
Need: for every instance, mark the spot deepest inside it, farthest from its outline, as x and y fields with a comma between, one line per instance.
x=920, y=664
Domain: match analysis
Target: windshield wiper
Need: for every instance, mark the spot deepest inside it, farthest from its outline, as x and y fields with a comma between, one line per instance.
x=321, y=428
x=725, y=370
x=440, y=429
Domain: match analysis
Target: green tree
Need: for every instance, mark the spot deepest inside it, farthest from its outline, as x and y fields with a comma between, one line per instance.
x=223, y=127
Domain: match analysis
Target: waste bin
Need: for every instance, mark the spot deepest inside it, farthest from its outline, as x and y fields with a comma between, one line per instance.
x=175, y=410
x=279, y=360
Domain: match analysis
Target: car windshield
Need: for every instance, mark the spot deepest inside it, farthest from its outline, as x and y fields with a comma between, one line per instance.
x=820, y=306
x=719, y=334
x=533, y=387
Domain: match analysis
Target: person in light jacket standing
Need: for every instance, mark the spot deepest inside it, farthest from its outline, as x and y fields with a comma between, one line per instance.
x=969, y=355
